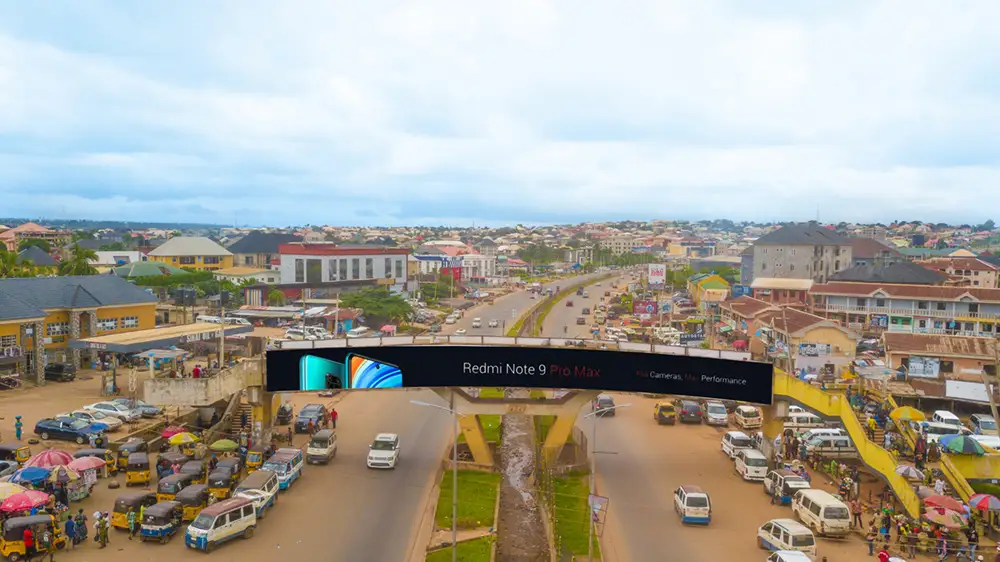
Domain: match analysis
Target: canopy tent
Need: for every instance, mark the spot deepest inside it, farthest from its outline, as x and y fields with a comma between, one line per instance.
x=165, y=354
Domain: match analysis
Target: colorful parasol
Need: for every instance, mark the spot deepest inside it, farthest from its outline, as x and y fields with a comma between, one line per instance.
x=7, y=490
x=945, y=502
x=184, y=438
x=925, y=492
x=49, y=458
x=984, y=502
x=30, y=474
x=224, y=446
x=87, y=463
x=907, y=413
x=961, y=445
x=171, y=430
x=907, y=471
x=946, y=518
x=63, y=475
x=24, y=501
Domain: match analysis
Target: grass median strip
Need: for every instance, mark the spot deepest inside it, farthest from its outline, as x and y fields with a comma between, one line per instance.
x=477, y=497
x=571, y=514
x=547, y=307
x=476, y=550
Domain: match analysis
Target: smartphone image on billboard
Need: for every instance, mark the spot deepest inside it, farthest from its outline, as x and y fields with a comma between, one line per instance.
x=316, y=373
x=364, y=372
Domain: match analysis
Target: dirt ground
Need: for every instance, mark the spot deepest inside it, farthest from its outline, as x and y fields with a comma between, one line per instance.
x=520, y=530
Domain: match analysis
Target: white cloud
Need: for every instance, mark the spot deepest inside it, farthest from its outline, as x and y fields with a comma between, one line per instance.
x=868, y=110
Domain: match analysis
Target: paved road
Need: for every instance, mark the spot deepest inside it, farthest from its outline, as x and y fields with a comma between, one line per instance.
x=342, y=511
x=506, y=309
x=562, y=315
x=640, y=464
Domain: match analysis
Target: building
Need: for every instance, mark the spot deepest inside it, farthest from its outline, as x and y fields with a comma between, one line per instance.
x=802, y=251
x=740, y=313
x=110, y=259
x=430, y=260
x=927, y=309
x=871, y=251
x=689, y=247
x=37, y=257
x=746, y=266
x=486, y=247
x=802, y=342
x=578, y=256
x=904, y=272
x=479, y=269
x=707, y=290
x=331, y=268
x=241, y=275
x=782, y=291
x=941, y=366
x=39, y=316
x=619, y=244
x=258, y=249
x=974, y=271
x=12, y=237
x=192, y=252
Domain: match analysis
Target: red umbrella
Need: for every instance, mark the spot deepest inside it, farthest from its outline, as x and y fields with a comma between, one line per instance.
x=24, y=501
x=947, y=502
x=49, y=458
x=171, y=430
x=86, y=463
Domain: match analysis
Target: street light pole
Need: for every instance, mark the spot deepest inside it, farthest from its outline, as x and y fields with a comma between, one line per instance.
x=454, y=467
x=593, y=476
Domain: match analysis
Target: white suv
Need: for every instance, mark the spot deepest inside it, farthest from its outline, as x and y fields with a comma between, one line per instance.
x=384, y=451
x=119, y=411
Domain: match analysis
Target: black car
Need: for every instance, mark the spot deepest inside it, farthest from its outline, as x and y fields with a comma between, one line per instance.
x=63, y=372
x=604, y=405
x=689, y=411
x=314, y=412
x=284, y=416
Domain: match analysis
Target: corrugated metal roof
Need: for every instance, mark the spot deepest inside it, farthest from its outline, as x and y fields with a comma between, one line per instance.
x=935, y=345
x=190, y=246
x=84, y=291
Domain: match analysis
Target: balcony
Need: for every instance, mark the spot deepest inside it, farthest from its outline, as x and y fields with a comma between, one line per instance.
x=203, y=392
x=911, y=312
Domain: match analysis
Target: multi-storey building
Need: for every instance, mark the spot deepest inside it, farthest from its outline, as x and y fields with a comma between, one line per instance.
x=192, y=252
x=803, y=251
x=12, y=237
x=259, y=249
x=926, y=309
x=619, y=244
x=973, y=271
x=330, y=269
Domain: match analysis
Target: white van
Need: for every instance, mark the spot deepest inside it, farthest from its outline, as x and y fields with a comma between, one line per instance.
x=477, y=322
x=783, y=484
x=733, y=441
x=693, y=505
x=296, y=334
x=822, y=431
x=803, y=420
x=936, y=430
x=237, y=321
x=221, y=522
x=322, y=447
x=260, y=487
x=362, y=332
x=751, y=464
x=944, y=416
x=832, y=446
x=206, y=319
x=788, y=556
x=786, y=534
x=822, y=512
x=748, y=417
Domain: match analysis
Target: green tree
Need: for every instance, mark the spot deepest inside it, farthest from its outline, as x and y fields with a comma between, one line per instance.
x=276, y=298
x=539, y=254
x=37, y=242
x=10, y=267
x=78, y=262
x=440, y=288
x=378, y=305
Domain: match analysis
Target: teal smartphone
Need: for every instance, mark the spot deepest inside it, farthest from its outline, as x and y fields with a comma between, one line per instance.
x=365, y=372
x=316, y=373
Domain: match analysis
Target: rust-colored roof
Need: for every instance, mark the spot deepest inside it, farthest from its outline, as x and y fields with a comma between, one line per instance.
x=798, y=321
x=27, y=228
x=920, y=292
x=869, y=248
x=960, y=263
x=746, y=306
x=936, y=345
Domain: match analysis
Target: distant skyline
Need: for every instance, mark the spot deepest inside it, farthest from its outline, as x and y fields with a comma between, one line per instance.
x=443, y=112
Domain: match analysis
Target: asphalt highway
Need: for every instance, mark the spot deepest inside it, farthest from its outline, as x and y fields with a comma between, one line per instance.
x=566, y=316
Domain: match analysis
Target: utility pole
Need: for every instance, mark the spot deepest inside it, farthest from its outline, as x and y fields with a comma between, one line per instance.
x=222, y=332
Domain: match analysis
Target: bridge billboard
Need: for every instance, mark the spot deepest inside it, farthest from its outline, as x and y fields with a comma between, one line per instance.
x=318, y=369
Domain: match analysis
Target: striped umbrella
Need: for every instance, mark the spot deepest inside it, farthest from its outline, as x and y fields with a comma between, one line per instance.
x=907, y=471
x=984, y=502
x=62, y=475
x=183, y=438
x=7, y=490
x=962, y=445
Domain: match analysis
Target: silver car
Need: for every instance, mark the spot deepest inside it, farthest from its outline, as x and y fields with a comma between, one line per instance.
x=716, y=414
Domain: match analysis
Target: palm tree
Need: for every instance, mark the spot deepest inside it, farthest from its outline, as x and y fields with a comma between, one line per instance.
x=10, y=266
x=79, y=262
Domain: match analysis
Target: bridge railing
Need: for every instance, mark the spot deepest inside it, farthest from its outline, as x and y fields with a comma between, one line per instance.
x=575, y=343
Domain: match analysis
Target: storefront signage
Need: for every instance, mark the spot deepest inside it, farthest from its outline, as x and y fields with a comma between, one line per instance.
x=923, y=367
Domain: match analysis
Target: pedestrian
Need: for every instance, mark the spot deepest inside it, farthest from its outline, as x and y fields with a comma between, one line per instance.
x=81, y=527
x=911, y=542
x=29, y=543
x=856, y=511
x=939, y=486
x=18, y=427
x=46, y=544
x=244, y=420
x=870, y=539
x=289, y=435
x=142, y=514
x=71, y=531
x=311, y=427
x=973, y=536
x=333, y=418
x=883, y=555
x=130, y=517
x=103, y=529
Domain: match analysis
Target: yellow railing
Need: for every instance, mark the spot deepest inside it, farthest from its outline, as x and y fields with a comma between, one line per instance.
x=836, y=406
x=955, y=477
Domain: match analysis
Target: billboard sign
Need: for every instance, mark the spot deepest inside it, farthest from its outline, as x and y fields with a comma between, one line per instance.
x=349, y=368
x=657, y=275
x=644, y=307
x=741, y=291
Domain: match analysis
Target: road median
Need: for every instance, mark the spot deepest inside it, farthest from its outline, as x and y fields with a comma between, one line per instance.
x=549, y=304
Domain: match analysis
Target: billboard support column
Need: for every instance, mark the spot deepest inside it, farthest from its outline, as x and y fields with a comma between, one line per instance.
x=472, y=429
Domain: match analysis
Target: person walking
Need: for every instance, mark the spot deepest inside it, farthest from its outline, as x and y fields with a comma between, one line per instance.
x=46, y=544
x=29, y=543
x=130, y=517
x=939, y=487
x=856, y=512
x=102, y=530
x=18, y=427
x=70, y=530
x=81, y=527
x=333, y=418
x=870, y=539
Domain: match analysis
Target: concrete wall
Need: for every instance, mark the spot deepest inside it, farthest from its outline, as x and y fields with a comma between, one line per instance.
x=203, y=392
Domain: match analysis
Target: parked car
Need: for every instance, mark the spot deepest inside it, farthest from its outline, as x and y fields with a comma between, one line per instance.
x=62, y=372
x=8, y=467
x=435, y=328
x=716, y=414
x=284, y=416
x=95, y=418
x=147, y=410
x=690, y=411
x=66, y=429
x=314, y=412
x=115, y=409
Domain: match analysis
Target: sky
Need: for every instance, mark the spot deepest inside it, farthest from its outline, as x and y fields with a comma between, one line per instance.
x=454, y=112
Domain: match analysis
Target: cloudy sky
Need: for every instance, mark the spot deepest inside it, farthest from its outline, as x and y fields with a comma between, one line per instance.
x=460, y=112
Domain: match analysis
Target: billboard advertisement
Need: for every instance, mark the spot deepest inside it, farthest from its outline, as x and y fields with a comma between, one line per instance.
x=290, y=370
x=742, y=291
x=453, y=272
x=657, y=275
x=644, y=307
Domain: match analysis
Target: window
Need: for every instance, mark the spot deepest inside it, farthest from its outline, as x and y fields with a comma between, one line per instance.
x=342, y=270
x=300, y=271
x=107, y=324
x=880, y=303
x=130, y=322
x=973, y=307
x=369, y=268
x=57, y=328
x=186, y=260
x=763, y=266
x=213, y=260
x=331, y=270
x=791, y=267
x=940, y=306
x=399, y=268
x=387, y=272
x=356, y=268
x=946, y=366
x=248, y=260
x=8, y=341
x=793, y=251
x=922, y=305
x=314, y=271
x=836, y=264
x=861, y=303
